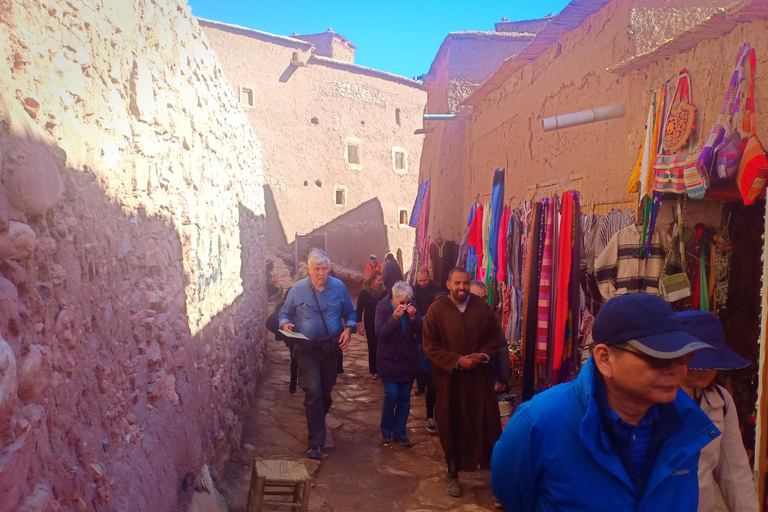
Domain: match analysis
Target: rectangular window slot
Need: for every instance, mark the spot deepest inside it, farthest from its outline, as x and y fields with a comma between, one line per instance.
x=403, y=217
x=352, y=155
x=340, y=197
x=399, y=161
x=246, y=97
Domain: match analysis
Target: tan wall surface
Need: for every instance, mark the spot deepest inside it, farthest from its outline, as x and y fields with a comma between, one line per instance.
x=506, y=129
x=304, y=162
x=131, y=275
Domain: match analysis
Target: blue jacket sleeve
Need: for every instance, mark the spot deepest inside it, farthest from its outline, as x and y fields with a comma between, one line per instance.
x=286, y=313
x=348, y=312
x=514, y=463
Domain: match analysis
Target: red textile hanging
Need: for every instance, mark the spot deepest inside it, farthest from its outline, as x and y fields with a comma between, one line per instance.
x=545, y=291
x=475, y=236
x=563, y=282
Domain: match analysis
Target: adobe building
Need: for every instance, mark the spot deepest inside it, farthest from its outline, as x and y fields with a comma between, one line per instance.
x=339, y=151
x=464, y=61
x=599, y=53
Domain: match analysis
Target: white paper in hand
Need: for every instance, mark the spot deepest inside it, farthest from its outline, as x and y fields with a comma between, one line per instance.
x=296, y=335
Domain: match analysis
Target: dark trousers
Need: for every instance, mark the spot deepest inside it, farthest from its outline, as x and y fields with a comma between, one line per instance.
x=317, y=376
x=431, y=394
x=373, y=345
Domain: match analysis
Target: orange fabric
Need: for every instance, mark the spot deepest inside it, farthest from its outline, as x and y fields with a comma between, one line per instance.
x=369, y=268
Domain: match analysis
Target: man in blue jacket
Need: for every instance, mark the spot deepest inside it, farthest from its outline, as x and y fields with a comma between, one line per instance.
x=318, y=307
x=622, y=436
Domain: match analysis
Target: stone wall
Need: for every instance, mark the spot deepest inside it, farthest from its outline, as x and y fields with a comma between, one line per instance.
x=305, y=117
x=132, y=284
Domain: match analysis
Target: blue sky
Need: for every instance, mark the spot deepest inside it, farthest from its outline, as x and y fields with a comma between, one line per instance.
x=398, y=36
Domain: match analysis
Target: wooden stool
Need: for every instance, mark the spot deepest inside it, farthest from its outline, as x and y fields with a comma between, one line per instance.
x=278, y=478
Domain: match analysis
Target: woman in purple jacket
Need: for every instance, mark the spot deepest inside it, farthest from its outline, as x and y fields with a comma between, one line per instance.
x=398, y=322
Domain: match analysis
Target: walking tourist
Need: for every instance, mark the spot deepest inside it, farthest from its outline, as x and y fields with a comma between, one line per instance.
x=724, y=460
x=461, y=335
x=318, y=307
x=372, y=265
x=398, y=322
x=391, y=272
x=424, y=295
x=372, y=292
x=622, y=436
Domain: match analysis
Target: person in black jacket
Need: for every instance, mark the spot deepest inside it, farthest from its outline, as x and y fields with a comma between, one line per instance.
x=398, y=322
x=372, y=292
x=391, y=272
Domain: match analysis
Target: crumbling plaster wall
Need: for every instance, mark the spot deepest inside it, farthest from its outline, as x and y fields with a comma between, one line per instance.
x=131, y=277
x=571, y=76
x=304, y=117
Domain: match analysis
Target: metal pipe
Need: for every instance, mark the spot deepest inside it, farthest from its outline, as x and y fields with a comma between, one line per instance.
x=585, y=117
x=444, y=117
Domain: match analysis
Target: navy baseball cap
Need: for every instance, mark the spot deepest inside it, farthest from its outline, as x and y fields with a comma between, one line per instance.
x=648, y=323
x=707, y=328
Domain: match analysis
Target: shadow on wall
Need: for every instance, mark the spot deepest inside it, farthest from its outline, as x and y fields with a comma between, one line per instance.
x=355, y=235
x=122, y=405
x=276, y=235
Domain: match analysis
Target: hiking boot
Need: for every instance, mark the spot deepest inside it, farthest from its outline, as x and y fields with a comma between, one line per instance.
x=315, y=452
x=431, y=426
x=452, y=486
x=386, y=437
x=405, y=441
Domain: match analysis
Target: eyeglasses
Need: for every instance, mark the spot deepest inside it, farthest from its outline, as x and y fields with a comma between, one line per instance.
x=658, y=363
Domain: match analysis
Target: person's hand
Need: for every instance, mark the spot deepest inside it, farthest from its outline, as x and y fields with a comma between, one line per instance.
x=477, y=357
x=361, y=328
x=399, y=311
x=467, y=363
x=411, y=311
x=345, y=337
x=288, y=327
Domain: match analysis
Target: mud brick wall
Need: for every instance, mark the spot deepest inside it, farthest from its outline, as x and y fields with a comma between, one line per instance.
x=132, y=286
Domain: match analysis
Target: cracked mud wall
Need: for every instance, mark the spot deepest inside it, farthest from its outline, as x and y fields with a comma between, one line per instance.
x=132, y=287
x=570, y=77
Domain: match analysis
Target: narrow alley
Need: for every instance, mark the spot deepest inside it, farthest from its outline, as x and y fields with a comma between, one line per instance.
x=357, y=472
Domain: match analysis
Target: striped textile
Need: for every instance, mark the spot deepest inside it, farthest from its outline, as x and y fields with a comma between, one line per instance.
x=614, y=222
x=620, y=268
x=545, y=290
x=670, y=173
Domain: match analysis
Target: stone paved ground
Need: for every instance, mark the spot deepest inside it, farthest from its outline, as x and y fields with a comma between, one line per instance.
x=358, y=473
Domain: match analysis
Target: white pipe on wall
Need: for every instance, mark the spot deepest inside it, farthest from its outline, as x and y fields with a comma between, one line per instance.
x=585, y=117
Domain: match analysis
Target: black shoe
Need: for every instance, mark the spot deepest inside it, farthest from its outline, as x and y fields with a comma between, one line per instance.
x=292, y=388
x=419, y=391
x=386, y=437
x=405, y=441
x=315, y=452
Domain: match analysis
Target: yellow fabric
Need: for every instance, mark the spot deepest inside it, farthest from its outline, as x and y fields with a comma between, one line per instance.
x=634, y=180
x=655, y=141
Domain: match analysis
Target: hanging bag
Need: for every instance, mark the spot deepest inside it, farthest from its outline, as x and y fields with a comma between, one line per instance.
x=753, y=170
x=707, y=157
x=676, y=286
x=681, y=115
x=728, y=152
x=696, y=185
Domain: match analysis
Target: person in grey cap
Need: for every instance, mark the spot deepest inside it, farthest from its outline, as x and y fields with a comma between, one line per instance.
x=724, y=460
x=622, y=436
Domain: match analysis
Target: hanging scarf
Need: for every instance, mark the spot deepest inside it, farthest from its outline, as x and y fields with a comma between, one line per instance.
x=416, y=212
x=545, y=291
x=563, y=280
x=530, y=299
x=497, y=213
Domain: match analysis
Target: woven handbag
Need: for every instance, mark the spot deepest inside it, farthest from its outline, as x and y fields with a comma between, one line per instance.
x=704, y=164
x=695, y=184
x=681, y=115
x=728, y=152
x=675, y=287
x=669, y=175
x=753, y=170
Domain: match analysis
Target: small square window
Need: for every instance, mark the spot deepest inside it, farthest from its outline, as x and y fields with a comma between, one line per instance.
x=403, y=216
x=246, y=97
x=340, y=196
x=399, y=160
x=352, y=156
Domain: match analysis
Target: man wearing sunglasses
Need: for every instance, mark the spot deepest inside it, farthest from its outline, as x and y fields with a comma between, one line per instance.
x=622, y=436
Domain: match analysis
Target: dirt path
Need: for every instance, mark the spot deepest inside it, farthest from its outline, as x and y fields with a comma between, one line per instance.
x=358, y=473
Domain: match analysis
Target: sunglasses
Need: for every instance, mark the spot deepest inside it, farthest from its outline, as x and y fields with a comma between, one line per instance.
x=657, y=363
